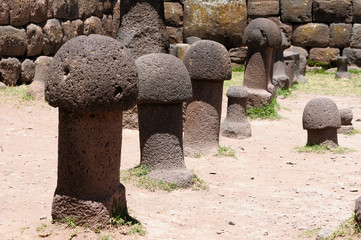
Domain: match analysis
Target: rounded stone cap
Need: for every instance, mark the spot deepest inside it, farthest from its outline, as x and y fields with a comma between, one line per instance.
x=92, y=74
x=237, y=92
x=262, y=32
x=321, y=113
x=208, y=60
x=163, y=78
x=346, y=115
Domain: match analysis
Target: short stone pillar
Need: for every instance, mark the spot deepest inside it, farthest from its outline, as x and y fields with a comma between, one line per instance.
x=346, y=115
x=208, y=64
x=37, y=87
x=321, y=119
x=164, y=84
x=290, y=64
x=92, y=79
x=280, y=79
x=236, y=124
x=342, y=71
x=261, y=36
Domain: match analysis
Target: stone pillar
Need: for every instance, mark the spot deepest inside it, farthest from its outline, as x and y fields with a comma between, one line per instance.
x=261, y=36
x=280, y=79
x=208, y=64
x=164, y=84
x=92, y=79
x=346, y=115
x=342, y=72
x=290, y=65
x=321, y=119
x=236, y=124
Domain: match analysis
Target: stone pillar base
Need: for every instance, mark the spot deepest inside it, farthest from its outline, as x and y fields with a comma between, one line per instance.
x=92, y=213
x=180, y=177
x=258, y=97
x=326, y=136
x=239, y=130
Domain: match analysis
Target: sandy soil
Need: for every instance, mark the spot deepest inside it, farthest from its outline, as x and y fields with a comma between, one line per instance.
x=270, y=191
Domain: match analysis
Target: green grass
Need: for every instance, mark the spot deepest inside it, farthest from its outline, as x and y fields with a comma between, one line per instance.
x=42, y=227
x=348, y=228
x=323, y=148
x=19, y=92
x=353, y=132
x=198, y=184
x=224, y=151
x=239, y=69
x=268, y=111
x=122, y=219
x=324, y=66
x=310, y=233
x=198, y=155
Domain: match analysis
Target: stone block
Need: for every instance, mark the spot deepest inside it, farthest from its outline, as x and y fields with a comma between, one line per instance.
x=107, y=24
x=38, y=11
x=356, y=36
x=175, y=35
x=10, y=69
x=173, y=13
x=65, y=9
x=311, y=35
x=326, y=11
x=4, y=13
x=88, y=8
x=296, y=11
x=356, y=11
x=354, y=56
x=93, y=25
x=263, y=7
x=238, y=55
x=53, y=36
x=340, y=35
x=19, y=12
x=221, y=21
x=27, y=71
x=35, y=40
x=116, y=18
x=324, y=55
x=12, y=41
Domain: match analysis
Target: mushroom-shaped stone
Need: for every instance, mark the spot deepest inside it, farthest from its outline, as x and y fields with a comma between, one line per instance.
x=91, y=79
x=346, y=120
x=342, y=72
x=236, y=124
x=321, y=119
x=164, y=84
x=208, y=64
x=261, y=36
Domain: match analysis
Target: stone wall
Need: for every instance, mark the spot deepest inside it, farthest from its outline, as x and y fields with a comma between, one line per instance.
x=33, y=28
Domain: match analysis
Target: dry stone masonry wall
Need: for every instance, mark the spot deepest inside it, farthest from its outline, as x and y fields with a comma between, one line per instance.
x=33, y=28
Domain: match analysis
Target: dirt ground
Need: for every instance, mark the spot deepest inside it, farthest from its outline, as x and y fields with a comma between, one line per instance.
x=269, y=191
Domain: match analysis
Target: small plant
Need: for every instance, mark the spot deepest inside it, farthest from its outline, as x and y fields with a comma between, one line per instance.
x=268, y=111
x=354, y=71
x=68, y=221
x=350, y=227
x=198, y=155
x=225, y=152
x=17, y=91
x=198, y=184
x=42, y=227
x=238, y=69
x=324, y=66
x=310, y=233
x=353, y=132
x=106, y=237
x=23, y=229
x=129, y=224
x=323, y=148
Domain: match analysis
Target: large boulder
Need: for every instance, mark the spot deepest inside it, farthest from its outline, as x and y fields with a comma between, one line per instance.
x=19, y=12
x=27, y=71
x=263, y=7
x=173, y=13
x=324, y=55
x=10, y=69
x=353, y=55
x=65, y=9
x=35, y=40
x=38, y=11
x=325, y=11
x=296, y=11
x=219, y=20
x=53, y=36
x=356, y=36
x=311, y=35
x=13, y=41
x=4, y=13
x=340, y=35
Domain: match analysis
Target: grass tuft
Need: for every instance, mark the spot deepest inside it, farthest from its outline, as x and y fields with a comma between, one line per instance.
x=323, y=148
x=353, y=132
x=268, y=111
x=128, y=224
x=20, y=92
x=199, y=184
x=238, y=69
x=225, y=152
x=348, y=228
x=310, y=233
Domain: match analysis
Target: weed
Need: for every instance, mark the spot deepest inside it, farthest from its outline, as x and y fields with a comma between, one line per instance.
x=42, y=227
x=122, y=219
x=349, y=227
x=198, y=184
x=225, y=152
x=238, y=69
x=310, y=233
x=353, y=132
x=20, y=92
x=106, y=237
x=23, y=229
x=198, y=155
x=68, y=221
x=323, y=148
x=268, y=111
x=138, y=175
x=324, y=66
x=354, y=71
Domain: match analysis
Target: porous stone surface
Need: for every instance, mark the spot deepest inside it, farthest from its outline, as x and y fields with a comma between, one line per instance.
x=321, y=119
x=290, y=65
x=19, y=12
x=342, y=72
x=175, y=35
x=208, y=60
x=38, y=11
x=340, y=35
x=296, y=11
x=311, y=35
x=173, y=13
x=182, y=49
x=27, y=71
x=346, y=115
x=37, y=87
x=356, y=36
x=203, y=19
x=356, y=11
x=325, y=11
x=72, y=29
x=65, y=9
x=12, y=41
x=321, y=113
x=263, y=7
x=164, y=83
x=191, y=40
x=107, y=25
x=238, y=55
x=236, y=124
x=324, y=55
x=35, y=42
x=4, y=13
x=353, y=55
x=77, y=71
x=163, y=78
x=261, y=37
x=10, y=69
x=53, y=36
x=93, y=25
x=90, y=7
x=358, y=210
x=142, y=27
